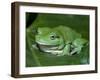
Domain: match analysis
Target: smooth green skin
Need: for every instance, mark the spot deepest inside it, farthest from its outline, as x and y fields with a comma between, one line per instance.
x=59, y=41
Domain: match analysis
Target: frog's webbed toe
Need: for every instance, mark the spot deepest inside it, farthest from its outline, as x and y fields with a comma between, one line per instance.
x=76, y=50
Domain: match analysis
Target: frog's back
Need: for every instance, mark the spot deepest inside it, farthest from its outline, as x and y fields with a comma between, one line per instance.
x=68, y=33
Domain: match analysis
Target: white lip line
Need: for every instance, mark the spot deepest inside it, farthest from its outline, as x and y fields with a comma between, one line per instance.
x=45, y=44
x=47, y=47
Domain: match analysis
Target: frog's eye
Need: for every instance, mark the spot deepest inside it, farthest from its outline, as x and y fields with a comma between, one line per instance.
x=52, y=37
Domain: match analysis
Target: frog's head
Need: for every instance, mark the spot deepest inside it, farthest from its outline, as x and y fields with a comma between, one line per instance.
x=47, y=38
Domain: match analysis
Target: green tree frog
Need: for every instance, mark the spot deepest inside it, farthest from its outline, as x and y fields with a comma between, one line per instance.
x=59, y=41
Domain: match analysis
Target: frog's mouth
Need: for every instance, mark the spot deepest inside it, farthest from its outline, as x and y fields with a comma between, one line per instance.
x=47, y=48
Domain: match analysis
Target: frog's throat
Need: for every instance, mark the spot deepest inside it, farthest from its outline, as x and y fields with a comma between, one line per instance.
x=48, y=48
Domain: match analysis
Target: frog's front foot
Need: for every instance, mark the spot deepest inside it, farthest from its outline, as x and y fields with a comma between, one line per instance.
x=77, y=45
x=76, y=51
